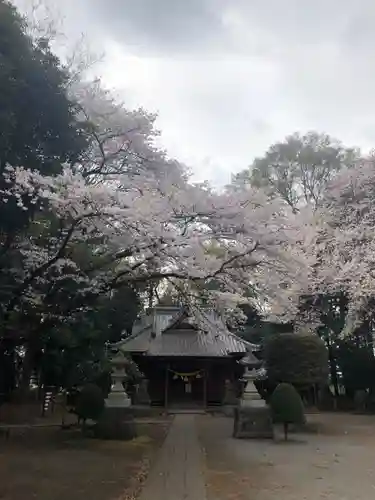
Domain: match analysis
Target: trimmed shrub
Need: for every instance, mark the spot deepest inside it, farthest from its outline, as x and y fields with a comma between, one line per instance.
x=300, y=359
x=287, y=407
x=90, y=402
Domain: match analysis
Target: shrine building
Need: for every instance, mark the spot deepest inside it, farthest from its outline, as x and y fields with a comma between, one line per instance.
x=189, y=358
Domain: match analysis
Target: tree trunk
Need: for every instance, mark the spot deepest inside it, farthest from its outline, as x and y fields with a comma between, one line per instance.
x=316, y=394
x=332, y=367
x=286, y=426
x=27, y=366
x=7, y=367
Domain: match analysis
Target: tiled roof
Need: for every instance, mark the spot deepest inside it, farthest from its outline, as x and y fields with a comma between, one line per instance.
x=160, y=336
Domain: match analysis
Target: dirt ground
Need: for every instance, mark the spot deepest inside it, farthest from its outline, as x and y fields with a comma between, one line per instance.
x=58, y=464
x=335, y=460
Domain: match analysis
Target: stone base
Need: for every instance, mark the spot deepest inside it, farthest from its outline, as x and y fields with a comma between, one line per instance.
x=253, y=422
x=116, y=423
x=118, y=400
x=228, y=410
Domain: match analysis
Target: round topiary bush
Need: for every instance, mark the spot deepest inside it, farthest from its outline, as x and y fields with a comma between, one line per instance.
x=300, y=359
x=90, y=402
x=287, y=407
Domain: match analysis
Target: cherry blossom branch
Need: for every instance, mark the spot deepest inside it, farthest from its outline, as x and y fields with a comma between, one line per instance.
x=39, y=270
x=159, y=275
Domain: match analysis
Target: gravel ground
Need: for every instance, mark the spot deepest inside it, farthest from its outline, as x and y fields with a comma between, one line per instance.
x=335, y=462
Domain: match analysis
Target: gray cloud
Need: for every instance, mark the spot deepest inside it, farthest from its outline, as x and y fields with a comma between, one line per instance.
x=163, y=24
x=150, y=26
x=228, y=77
x=204, y=25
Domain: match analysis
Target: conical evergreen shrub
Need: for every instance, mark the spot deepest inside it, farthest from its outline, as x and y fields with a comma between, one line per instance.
x=90, y=403
x=287, y=407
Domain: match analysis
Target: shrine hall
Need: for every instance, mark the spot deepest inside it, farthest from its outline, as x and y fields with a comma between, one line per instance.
x=189, y=358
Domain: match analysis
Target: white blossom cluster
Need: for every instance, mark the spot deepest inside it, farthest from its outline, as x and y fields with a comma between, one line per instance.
x=143, y=220
x=343, y=239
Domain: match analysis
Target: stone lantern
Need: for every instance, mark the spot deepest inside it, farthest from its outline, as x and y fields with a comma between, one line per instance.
x=118, y=398
x=252, y=417
x=117, y=421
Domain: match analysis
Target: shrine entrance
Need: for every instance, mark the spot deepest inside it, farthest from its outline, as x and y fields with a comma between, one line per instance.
x=185, y=388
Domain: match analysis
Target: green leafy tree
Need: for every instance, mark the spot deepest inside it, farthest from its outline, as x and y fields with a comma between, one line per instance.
x=286, y=406
x=257, y=330
x=75, y=352
x=38, y=124
x=357, y=364
x=330, y=311
x=300, y=359
x=351, y=357
x=118, y=311
x=299, y=168
x=37, y=120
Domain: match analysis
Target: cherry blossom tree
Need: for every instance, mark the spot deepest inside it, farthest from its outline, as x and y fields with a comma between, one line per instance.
x=342, y=241
x=122, y=215
x=142, y=218
x=120, y=140
x=125, y=215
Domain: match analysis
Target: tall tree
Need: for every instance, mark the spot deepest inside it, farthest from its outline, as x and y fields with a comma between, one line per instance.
x=39, y=128
x=37, y=120
x=343, y=243
x=342, y=279
x=299, y=168
x=122, y=214
x=39, y=131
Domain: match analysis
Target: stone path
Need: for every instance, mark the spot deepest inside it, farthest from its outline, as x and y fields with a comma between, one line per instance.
x=177, y=473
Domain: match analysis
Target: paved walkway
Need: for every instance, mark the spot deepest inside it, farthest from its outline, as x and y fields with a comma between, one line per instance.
x=177, y=474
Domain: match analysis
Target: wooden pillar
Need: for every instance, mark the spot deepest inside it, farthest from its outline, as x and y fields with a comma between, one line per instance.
x=166, y=386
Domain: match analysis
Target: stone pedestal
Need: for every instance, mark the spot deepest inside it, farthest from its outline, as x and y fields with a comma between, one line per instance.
x=116, y=423
x=253, y=423
x=252, y=417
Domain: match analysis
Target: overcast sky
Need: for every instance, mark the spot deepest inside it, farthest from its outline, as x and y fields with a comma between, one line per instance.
x=229, y=77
